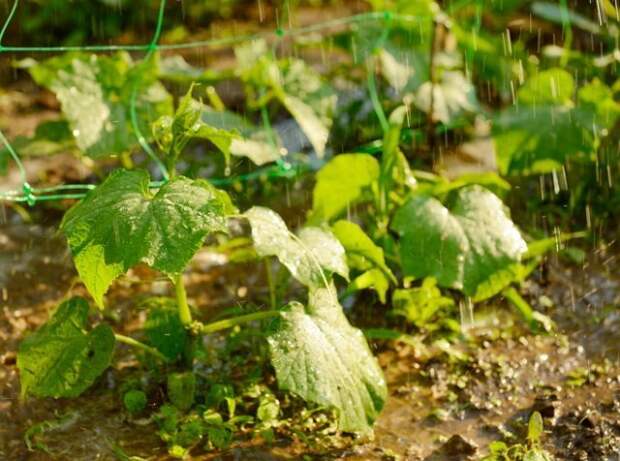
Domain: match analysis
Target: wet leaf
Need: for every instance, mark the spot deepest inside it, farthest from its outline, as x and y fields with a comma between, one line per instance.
x=341, y=183
x=62, y=359
x=548, y=128
x=419, y=305
x=453, y=96
x=306, y=256
x=363, y=255
x=297, y=86
x=194, y=120
x=321, y=358
x=461, y=246
x=121, y=224
x=95, y=94
x=549, y=87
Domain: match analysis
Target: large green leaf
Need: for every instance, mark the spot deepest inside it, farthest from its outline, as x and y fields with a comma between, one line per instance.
x=95, y=94
x=306, y=256
x=340, y=183
x=363, y=255
x=194, y=120
x=548, y=127
x=298, y=87
x=62, y=359
x=320, y=357
x=537, y=139
x=463, y=246
x=121, y=223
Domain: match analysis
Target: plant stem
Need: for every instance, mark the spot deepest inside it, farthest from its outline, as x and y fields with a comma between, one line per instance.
x=272, y=288
x=430, y=129
x=135, y=343
x=228, y=323
x=185, y=314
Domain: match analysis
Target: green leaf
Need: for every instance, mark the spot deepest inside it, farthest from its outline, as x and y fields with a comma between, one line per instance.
x=321, y=358
x=62, y=359
x=452, y=97
x=549, y=128
x=135, y=401
x=365, y=256
x=164, y=329
x=535, y=427
x=194, y=120
x=462, y=246
x=121, y=223
x=182, y=389
x=95, y=95
x=596, y=106
x=298, y=87
x=548, y=87
x=419, y=305
x=306, y=256
x=341, y=183
x=537, y=139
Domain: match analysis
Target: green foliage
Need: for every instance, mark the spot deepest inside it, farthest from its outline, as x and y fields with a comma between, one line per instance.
x=553, y=86
x=461, y=245
x=296, y=86
x=364, y=256
x=550, y=125
x=62, y=359
x=121, y=223
x=421, y=304
x=164, y=329
x=341, y=183
x=194, y=120
x=320, y=357
x=182, y=389
x=452, y=97
x=95, y=94
x=306, y=256
x=135, y=401
x=530, y=451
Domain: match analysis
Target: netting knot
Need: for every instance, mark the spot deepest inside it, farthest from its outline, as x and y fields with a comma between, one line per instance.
x=31, y=199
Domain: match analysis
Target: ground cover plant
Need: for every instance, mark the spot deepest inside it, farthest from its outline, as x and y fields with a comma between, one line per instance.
x=392, y=177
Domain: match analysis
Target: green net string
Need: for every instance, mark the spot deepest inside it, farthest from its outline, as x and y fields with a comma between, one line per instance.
x=281, y=169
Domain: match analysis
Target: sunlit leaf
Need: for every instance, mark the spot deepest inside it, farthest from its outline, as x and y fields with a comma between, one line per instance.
x=318, y=356
x=340, y=183
x=307, y=256
x=363, y=255
x=95, y=94
x=298, y=87
x=121, y=223
x=451, y=97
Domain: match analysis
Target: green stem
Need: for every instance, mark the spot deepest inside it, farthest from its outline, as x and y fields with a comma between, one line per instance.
x=185, y=314
x=229, y=323
x=135, y=343
x=270, y=284
x=521, y=305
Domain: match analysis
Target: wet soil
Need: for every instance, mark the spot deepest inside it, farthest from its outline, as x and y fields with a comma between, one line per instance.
x=445, y=403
